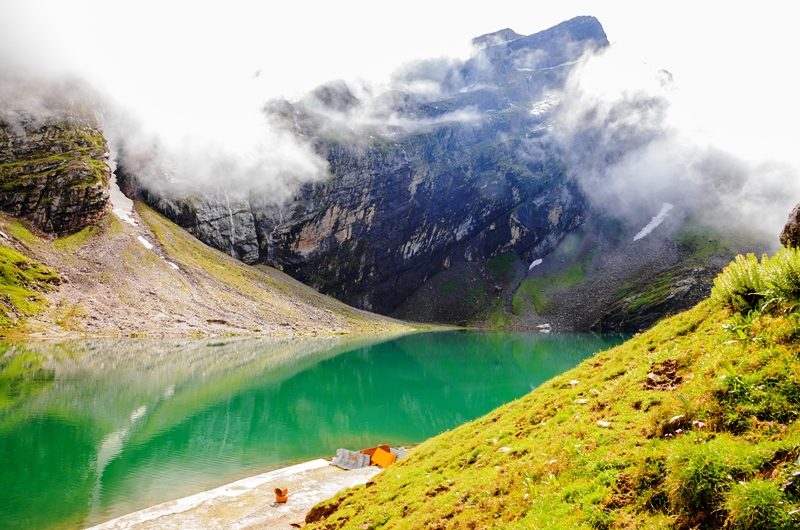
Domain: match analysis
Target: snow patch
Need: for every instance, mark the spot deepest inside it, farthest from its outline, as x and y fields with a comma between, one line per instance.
x=4, y=235
x=172, y=265
x=145, y=243
x=543, y=106
x=463, y=229
x=544, y=328
x=121, y=205
x=529, y=69
x=535, y=263
x=654, y=222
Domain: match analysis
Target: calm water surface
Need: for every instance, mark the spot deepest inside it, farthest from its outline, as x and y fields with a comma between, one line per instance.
x=121, y=425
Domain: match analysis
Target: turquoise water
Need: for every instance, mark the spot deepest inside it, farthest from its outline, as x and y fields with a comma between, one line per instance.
x=117, y=426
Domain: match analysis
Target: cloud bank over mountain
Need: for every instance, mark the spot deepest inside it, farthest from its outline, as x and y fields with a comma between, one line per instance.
x=707, y=122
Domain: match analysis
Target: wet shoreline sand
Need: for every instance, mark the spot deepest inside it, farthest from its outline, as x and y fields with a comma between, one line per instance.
x=250, y=502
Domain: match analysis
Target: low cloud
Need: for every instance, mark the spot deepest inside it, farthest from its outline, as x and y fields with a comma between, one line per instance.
x=32, y=101
x=718, y=138
x=633, y=139
x=358, y=113
x=272, y=161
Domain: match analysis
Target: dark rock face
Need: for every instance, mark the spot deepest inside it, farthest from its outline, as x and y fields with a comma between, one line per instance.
x=471, y=174
x=790, y=236
x=648, y=301
x=392, y=219
x=54, y=174
x=217, y=220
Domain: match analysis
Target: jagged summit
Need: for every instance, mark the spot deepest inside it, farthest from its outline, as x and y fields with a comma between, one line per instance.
x=575, y=29
x=556, y=46
x=578, y=29
x=494, y=38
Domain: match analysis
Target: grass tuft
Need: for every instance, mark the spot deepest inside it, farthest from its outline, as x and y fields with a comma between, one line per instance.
x=75, y=241
x=758, y=504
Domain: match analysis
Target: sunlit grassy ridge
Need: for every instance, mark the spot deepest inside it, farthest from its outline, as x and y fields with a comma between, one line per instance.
x=264, y=286
x=103, y=281
x=22, y=284
x=691, y=424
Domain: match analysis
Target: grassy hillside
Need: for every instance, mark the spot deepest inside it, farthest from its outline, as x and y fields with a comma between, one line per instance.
x=23, y=283
x=691, y=424
x=155, y=279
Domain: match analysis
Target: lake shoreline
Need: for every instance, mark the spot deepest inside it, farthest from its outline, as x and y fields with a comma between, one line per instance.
x=249, y=502
x=130, y=424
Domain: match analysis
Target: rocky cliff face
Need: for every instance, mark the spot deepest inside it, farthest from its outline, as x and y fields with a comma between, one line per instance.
x=461, y=176
x=453, y=203
x=53, y=173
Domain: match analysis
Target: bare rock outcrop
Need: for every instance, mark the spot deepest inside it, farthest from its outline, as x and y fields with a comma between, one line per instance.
x=790, y=236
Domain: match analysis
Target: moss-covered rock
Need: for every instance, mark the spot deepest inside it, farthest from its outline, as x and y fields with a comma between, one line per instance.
x=54, y=173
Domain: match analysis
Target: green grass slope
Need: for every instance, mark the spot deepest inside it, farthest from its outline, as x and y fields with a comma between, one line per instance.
x=23, y=283
x=691, y=424
x=103, y=281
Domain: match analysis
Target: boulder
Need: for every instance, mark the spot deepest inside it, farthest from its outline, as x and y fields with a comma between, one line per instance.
x=790, y=236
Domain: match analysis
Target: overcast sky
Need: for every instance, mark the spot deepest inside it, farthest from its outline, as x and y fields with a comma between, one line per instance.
x=166, y=60
x=299, y=44
x=137, y=44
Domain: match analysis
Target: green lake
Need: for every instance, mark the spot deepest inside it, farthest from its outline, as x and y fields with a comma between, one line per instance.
x=92, y=430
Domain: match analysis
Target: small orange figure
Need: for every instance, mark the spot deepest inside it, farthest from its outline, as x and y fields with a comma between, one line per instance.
x=281, y=495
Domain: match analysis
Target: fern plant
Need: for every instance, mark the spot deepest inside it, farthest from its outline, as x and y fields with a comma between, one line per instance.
x=772, y=284
x=783, y=278
x=740, y=286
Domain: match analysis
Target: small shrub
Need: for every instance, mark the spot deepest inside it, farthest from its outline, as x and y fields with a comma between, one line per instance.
x=783, y=278
x=648, y=481
x=749, y=285
x=741, y=324
x=757, y=504
x=599, y=519
x=740, y=286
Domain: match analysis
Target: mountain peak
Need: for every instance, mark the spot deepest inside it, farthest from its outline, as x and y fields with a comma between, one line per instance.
x=498, y=37
x=579, y=29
